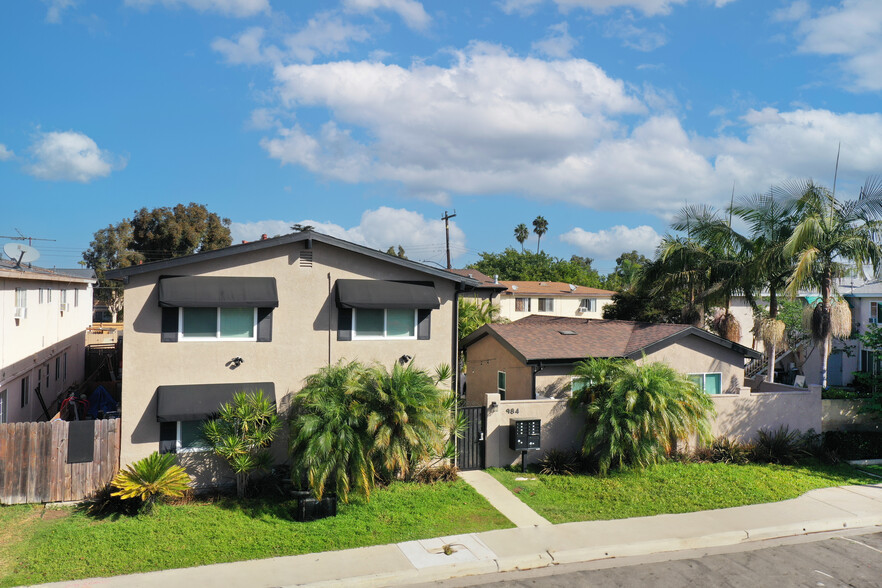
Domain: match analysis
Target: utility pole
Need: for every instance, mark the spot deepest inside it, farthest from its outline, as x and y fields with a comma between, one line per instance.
x=446, y=218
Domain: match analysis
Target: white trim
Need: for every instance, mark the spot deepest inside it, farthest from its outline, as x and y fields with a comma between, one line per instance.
x=384, y=337
x=179, y=449
x=502, y=390
x=183, y=337
x=704, y=376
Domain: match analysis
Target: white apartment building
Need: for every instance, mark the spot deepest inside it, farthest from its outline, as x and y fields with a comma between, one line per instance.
x=521, y=299
x=44, y=315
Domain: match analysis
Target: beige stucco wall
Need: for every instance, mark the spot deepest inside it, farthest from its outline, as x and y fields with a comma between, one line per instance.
x=561, y=428
x=30, y=346
x=484, y=360
x=740, y=416
x=845, y=415
x=563, y=306
x=692, y=354
x=304, y=333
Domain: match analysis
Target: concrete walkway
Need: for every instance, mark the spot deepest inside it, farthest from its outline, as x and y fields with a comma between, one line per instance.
x=829, y=509
x=502, y=499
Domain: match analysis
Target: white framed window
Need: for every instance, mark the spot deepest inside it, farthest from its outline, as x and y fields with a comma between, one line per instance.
x=589, y=304
x=25, y=391
x=709, y=382
x=3, y=396
x=21, y=298
x=76, y=298
x=500, y=384
x=190, y=439
x=546, y=305
x=217, y=324
x=40, y=296
x=384, y=323
x=522, y=304
x=64, y=296
x=48, y=294
x=875, y=312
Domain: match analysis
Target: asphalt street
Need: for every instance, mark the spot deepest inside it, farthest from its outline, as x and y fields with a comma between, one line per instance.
x=852, y=558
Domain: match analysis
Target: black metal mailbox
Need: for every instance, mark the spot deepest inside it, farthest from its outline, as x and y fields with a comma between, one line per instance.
x=524, y=434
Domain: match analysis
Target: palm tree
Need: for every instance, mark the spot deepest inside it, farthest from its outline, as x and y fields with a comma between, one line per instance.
x=770, y=219
x=521, y=233
x=540, y=227
x=475, y=314
x=329, y=442
x=830, y=233
x=635, y=413
x=406, y=416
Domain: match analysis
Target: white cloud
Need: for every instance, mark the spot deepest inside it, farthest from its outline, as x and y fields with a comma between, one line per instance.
x=234, y=8
x=55, y=8
x=5, y=153
x=70, y=156
x=244, y=50
x=609, y=243
x=421, y=238
x=632, y=36
x=795, y=11
x=521, y=7
x=852, y=31
x=765, y=116
x=411, y=12
x=325, y=34
x=558, y=44
x=647, y=7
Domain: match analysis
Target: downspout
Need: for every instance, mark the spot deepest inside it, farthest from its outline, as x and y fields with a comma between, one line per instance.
x=329, y=318
x=536, y=369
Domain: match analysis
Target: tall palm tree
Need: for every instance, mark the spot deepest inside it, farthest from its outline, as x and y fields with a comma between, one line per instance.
x=474, y=314
x=770, y=219
x=829, y=234
x=540, y=227
x=636, y=412
x=521, y=233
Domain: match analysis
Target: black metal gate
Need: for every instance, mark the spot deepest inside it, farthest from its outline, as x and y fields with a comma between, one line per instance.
x=470, y=447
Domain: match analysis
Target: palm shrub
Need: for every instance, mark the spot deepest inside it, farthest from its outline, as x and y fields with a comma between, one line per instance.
x=329, y=443
x=635, y=413
x=242, y=433
x=780, y=446
x=557, y=462
x=147, y=480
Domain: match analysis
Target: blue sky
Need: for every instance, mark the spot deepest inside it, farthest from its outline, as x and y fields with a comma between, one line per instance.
x=370, y=118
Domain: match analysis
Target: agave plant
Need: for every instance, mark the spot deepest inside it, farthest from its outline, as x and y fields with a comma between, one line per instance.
x=150, y=478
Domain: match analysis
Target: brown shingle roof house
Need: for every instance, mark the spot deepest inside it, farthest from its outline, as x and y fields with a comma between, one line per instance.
x=533, y=357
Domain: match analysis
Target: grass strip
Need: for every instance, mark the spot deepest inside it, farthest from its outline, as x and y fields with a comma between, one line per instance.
x=71, y=545
x=670, y=488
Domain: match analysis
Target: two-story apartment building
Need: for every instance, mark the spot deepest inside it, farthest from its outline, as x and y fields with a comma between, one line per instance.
x=522, y=299
x=263, y=316
x=44, y=315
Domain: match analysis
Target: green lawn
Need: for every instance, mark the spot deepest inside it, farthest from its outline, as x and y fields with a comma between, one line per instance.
x=670, y=488
x=873, y=469
x=40, y=545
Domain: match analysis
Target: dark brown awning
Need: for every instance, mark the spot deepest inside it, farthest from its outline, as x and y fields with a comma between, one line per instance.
x=218, y=292
x=194, y=402
x=385, y=294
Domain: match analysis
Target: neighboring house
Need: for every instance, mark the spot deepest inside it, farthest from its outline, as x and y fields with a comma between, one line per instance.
x=521, y=299
x=533, y=358
x=489, y=288
x=44, y=315
x=265, y=315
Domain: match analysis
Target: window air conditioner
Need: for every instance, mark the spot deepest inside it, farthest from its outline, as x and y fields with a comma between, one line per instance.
x=583, y=309
x=21, y=312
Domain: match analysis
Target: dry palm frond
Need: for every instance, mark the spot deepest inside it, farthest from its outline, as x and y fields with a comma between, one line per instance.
x=808, y=312
x=819, y=325
x=691, y=315
x=840, y=319
x=770, y=331
x=727, y=326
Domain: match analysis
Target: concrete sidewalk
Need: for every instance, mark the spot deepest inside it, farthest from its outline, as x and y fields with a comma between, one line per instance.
x=828, y=509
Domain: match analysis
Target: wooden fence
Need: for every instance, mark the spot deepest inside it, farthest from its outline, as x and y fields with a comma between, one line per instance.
x=53, y=462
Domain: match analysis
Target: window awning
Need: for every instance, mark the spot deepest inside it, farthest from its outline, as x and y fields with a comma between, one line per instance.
x=194, y=402
x=385, y=294
x=216, y=291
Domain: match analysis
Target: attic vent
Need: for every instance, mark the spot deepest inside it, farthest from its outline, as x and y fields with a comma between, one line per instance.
x=306, y=258
x=567, y=332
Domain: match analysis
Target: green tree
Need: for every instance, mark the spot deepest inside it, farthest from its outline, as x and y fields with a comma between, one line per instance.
x=151, y=478
x=540, y=227
x=242, y=433
x=829, y=234
x=473, y=314
x=871, y=376
x=512, y=265
x=521, y=233
x=626, y=274
x=635, y=413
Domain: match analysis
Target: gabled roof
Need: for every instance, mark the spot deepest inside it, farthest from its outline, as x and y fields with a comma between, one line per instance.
x=26, y=271
x=307, y=236
x=486, y=281
x=565, y=340
x=553, y=289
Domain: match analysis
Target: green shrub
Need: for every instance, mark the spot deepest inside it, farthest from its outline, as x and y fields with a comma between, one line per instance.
x=781, y=446
x=846, y=393
x=726, y=450
x=854, y=444
x=557, y=463
x=153, y=477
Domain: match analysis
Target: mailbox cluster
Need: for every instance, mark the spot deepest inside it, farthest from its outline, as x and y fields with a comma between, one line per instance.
x=523, y=434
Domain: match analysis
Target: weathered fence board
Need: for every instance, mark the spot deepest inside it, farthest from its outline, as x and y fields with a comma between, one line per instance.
x=34, y=468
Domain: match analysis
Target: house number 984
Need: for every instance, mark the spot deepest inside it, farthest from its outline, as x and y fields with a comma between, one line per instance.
x=512, y=411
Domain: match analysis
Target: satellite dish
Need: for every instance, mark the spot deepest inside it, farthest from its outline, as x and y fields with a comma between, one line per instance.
x=21, y=253
x=514, y=286
x=572, y=287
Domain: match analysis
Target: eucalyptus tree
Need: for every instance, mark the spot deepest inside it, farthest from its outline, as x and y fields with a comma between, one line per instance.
x=540, y=227
x=521, y=233
x=829, y=237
